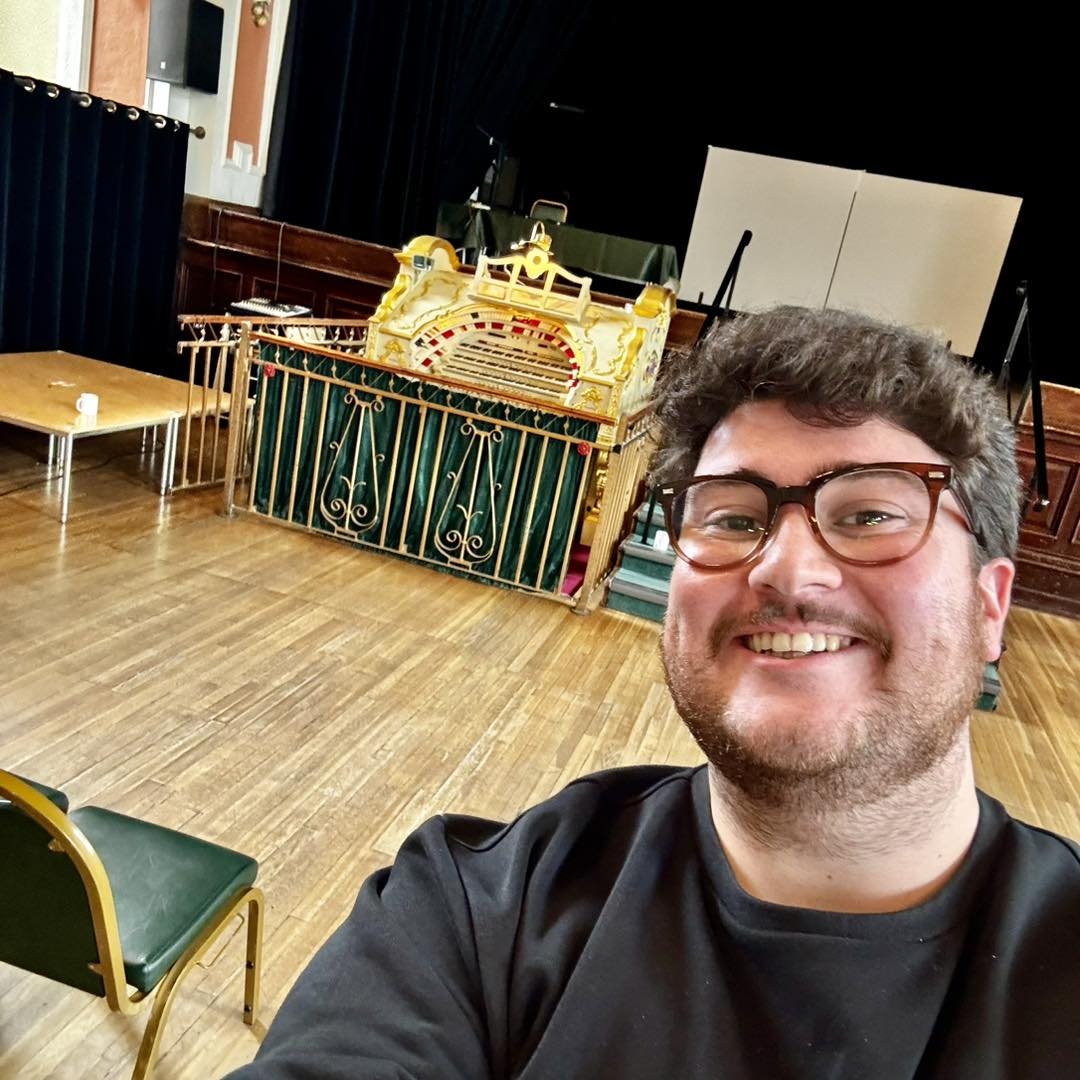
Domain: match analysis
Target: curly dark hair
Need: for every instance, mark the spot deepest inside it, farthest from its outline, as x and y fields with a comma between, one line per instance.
x=837, y=368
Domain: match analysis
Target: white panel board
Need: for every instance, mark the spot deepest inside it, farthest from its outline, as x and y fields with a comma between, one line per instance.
x=796, y=211
x=924, y=255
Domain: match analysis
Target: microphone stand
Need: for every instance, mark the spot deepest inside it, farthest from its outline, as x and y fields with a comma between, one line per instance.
x=727, y=284
x=991, y=687
x=720, y=303
x=1032, y=389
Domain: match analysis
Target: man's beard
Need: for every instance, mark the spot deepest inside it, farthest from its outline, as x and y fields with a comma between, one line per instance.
x=903, y=729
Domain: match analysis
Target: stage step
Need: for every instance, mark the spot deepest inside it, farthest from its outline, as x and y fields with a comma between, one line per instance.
x=647, y=560
x=657, y=518
x=638, y=594
x=640, y=584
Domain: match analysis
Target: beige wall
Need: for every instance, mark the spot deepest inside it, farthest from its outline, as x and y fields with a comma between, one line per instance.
x=118, y=56
x=28, y=37
x=113, y=65
x=252, y=53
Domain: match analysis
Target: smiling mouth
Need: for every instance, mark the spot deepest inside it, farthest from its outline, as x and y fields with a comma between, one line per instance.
x=794, y=646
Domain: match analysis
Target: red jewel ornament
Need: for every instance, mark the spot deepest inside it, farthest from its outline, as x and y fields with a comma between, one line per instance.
x=269, y=370
x=583, y=448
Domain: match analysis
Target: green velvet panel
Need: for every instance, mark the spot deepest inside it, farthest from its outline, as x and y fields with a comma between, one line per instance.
x=463, y=482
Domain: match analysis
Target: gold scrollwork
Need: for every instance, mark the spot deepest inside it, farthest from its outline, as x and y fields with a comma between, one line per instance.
x=592, y=399
x=471, y=540
x=351, y=505
x=394, y=351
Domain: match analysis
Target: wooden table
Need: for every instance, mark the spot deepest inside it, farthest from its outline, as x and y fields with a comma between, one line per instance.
x=38, y=391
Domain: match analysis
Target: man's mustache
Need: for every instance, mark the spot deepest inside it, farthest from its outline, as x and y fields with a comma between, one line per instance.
x=809, y=612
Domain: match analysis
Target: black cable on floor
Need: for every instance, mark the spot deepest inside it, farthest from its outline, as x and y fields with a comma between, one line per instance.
x=85, y=468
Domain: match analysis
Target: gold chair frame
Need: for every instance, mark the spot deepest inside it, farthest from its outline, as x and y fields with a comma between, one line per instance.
x=69, y=840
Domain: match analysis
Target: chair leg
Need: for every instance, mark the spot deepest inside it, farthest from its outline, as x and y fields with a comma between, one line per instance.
x=253, y=963
x=166, y=991
x=151, y=1040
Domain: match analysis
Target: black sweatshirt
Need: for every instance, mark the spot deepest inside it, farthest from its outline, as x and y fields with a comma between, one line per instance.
x=602, y=934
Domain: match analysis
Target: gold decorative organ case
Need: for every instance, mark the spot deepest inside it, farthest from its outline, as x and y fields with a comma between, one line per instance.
x=522, y=325
x=493, y=425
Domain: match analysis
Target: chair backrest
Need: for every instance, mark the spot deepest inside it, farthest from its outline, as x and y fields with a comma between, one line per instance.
x=549, y=210
x=57, y=916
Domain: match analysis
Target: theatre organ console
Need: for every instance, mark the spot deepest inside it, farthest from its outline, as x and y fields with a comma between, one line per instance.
x=494, y=426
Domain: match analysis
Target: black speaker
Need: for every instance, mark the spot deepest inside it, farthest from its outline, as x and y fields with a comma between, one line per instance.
x=204, y=46
x=185, y=43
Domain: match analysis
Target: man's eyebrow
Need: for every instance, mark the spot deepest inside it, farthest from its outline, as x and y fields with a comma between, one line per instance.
x=752, y=474
x=836, y=466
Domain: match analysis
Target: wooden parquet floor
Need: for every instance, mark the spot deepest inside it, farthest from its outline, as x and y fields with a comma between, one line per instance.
x=310, y=704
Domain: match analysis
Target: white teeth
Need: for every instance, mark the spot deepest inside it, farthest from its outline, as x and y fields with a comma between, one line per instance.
x=800, y=643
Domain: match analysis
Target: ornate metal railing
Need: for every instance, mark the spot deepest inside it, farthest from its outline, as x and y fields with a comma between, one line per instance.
x=207, y=351
x=443, y=474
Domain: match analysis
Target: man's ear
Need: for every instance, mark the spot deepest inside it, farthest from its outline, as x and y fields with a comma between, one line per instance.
x=994, y=584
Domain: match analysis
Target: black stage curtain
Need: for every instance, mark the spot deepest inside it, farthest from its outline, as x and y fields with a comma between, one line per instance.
x=90, y=204
x=385, y=109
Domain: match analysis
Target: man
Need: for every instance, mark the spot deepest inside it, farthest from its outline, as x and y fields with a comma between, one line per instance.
x=830, y=897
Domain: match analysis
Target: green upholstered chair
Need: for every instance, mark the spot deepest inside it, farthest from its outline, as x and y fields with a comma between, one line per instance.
x=54, y=796
x=114, y=905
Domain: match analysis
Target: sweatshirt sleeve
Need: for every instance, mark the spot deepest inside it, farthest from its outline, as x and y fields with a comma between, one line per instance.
x=394, y=993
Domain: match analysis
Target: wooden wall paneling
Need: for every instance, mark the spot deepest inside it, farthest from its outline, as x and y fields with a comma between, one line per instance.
x=1048, y=562
x=346, y=277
